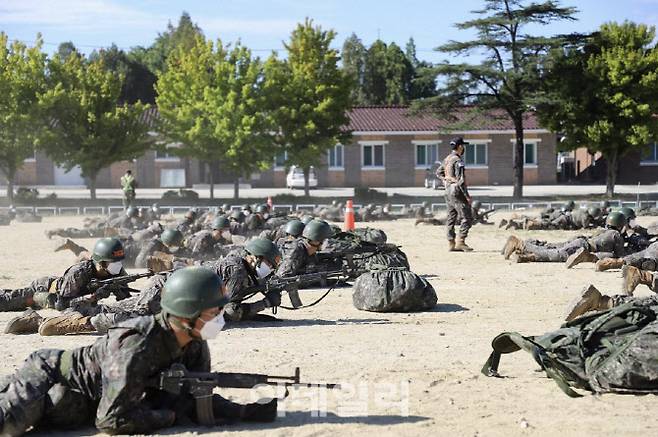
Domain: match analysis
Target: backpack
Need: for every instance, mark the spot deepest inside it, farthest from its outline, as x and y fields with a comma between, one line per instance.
x=393, y=290
x=614, y=351
x=370, y=235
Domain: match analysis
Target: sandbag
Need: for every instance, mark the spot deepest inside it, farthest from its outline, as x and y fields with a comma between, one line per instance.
x=393, y=290
x=390, y=257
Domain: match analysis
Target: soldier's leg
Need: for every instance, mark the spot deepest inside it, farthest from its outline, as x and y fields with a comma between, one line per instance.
x=34, y=295
x=451, y=220
x=23, y=395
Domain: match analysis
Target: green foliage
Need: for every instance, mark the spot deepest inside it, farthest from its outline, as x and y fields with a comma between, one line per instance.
x=353, y=58
x=22, y=81
x=308, y=97
x=25, y=195
x=210, y=98
x=180, y=194
x=89, y=126
x=182, y=36
x=507, y=78
x=603, y=94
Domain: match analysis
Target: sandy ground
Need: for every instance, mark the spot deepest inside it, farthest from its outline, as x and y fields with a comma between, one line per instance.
x=430, y=360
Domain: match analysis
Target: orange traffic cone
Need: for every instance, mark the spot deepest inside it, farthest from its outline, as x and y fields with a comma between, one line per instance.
x=269, y=202
x=349, y=216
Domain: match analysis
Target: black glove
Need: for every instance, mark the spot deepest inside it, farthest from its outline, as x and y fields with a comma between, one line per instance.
x=260, y=412
x=273, y=298
x=104, y=291
x=121, y=293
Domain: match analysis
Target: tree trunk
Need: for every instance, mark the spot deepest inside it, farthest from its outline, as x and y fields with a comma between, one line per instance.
x=10, y=186
x=236, y=188
x=611, y=177
x=92, y=186
x=518, y=158
x=307, y=190
x=212, y=180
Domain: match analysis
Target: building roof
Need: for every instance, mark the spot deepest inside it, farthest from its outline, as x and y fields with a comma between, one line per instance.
x=402, y=119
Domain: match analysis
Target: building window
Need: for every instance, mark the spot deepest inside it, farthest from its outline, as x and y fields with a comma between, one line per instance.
x=373, y=156
x=475, y=154
x=530, y=154
x=335, y=157
x=32, y=158
x=280, y=160
x=172, y=177
x=165, y=155
x=650, y=155
x=426, y=155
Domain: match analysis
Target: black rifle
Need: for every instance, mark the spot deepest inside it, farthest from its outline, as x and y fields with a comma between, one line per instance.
x=200, y=385
x=361, y=251
x=483, y=217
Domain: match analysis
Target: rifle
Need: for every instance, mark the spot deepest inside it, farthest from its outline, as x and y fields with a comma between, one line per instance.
x=483, y=217
x=363, y=250
x=200, y=385
x=291, y=284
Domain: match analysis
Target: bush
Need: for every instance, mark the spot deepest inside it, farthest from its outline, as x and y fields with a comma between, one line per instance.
x=26, y=195
x=368, y=194
x=181, y=194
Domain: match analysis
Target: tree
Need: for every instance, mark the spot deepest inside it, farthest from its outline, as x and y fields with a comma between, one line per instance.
x=183, y=36
x=375, y=74
x=507, y=78
x=399, y=75
x=423, y=85
x=353, y=57
x=66, y=49
x=90, y=128
x=308, y=97
x=22, y=81
x=210, y=99
x=603, y=94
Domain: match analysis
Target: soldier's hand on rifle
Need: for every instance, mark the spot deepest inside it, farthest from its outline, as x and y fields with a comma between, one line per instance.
x=103, y=292
x=273, y=299
x=121, y=293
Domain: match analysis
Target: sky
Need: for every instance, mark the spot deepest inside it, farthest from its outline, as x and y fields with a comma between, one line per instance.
x=263, y=25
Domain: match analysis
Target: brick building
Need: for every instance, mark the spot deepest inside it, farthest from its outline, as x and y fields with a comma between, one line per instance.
x=390, y=146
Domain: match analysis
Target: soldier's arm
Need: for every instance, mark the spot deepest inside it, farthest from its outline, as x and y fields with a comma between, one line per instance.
x=75, y=281
x=127, y=366
x=293, y=263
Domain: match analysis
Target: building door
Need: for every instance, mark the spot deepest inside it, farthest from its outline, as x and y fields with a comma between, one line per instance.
x=172, y=178
x=72, y=177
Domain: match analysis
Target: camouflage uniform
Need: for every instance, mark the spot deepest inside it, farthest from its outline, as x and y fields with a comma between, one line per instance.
x=295, y=259
x=254, y=222
x=44, y=292
x=606, y=244
x=107, y=383
x=148, y=249
x=646, y=259
x=455, y=195
x=202, y=244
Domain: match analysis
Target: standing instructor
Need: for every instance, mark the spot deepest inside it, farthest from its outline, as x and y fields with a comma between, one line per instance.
x=458, y=200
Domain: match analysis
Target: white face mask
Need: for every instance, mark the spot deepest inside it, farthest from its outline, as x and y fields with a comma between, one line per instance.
x=263, y=270
x=632, y=223
x=213, y=327
x=114, y=268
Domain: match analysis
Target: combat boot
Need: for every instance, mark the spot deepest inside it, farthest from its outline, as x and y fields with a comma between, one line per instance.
x=512, y=245
x=70, y=323
x=634, y=277
x=68, y=244
x=590, y=299
x=582, y=255
x=608, y=263
x=27, y=323
x=502, y=223
x=461, y=246
x=451, y=245
x=525, y=258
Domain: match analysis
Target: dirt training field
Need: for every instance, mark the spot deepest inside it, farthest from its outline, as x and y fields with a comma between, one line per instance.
x=430, y=360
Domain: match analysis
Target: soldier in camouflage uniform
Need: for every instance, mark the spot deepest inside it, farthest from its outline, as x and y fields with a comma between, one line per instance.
x=609, y=241
x=111, y=383
x=241, y=273
x=457, y=198
x=53, y=291
x=298, y=253
x=128, y=221
x=293, y=230
x=187, y=225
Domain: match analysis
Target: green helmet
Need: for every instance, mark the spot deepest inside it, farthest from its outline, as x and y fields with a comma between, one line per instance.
x=263, y=209
x=476, y=205
x=108, y=250
x=226, y=208
x=220, y=223
x=615, y=220
x=132, y=212
x=629, y=213
x=569, y=206
x=306, y=219
x=246, y=208
x=172, y=237
x=265, y=248
x=237, y=216
x=190, y=291
x=594, y=211
x=317, y=230
x=294, y=228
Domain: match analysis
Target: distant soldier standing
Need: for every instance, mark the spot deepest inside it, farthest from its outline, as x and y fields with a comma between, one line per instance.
x=457, y=198
x=128, y=185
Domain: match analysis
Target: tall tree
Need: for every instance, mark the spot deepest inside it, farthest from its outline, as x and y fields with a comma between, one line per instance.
x=353, y=58
x=308, y=96
x=183, y=35
x=603, y=94
x=423, y=85
x=66, y=49
x=22, y=81
x=399, y=74
x=90, y=128
x=375, y=74
x=210, y=99
x=507, y=78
